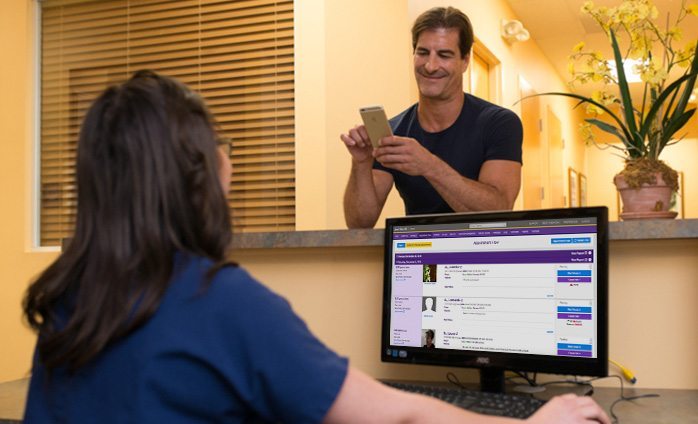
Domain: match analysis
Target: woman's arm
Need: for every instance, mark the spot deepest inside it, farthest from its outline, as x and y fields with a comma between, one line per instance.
x=365, y=400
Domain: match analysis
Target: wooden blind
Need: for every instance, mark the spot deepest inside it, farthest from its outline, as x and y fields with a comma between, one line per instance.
x=237, y=54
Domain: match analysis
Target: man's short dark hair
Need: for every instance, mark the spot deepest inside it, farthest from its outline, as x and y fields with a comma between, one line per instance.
x=448, y=18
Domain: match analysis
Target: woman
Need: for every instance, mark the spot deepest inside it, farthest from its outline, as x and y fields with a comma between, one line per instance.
x=142, y=318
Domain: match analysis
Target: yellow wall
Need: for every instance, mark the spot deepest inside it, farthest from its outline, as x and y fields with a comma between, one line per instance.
x=341, y=67
x=18, y=262
x=653, y=295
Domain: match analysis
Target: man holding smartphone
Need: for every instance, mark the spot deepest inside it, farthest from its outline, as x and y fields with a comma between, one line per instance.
x=451, y=151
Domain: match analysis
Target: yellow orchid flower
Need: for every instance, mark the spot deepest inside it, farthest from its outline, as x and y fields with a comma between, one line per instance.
x=635, y=39
x=675, y=33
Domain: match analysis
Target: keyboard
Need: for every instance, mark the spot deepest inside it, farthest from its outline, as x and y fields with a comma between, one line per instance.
x=499, y=404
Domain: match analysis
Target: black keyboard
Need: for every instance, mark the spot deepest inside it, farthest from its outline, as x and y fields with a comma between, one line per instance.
x=504, y=405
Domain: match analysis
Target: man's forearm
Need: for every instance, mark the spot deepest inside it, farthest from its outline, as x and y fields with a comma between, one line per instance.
x=463, y=194
x=361, y=204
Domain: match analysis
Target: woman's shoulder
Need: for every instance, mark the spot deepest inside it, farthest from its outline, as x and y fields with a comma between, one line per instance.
x=202, y=280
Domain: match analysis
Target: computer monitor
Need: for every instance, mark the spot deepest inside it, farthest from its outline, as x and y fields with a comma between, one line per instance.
x=518, y=290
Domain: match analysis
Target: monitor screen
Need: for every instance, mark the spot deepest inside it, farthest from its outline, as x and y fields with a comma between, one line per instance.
x=515, y=290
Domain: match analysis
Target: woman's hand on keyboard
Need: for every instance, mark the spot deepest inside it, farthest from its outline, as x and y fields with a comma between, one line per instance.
x=570, y=409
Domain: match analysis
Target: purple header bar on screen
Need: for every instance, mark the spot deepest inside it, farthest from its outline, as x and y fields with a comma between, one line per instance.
x=515, y=257
x=576, y=229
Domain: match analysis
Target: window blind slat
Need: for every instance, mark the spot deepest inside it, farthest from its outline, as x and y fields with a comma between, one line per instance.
x=156, y=13
x=153, y=52
x=260, y=177
x=274, y=218
x=89, y=87
x=263, y=194
x=273, y=185
x=90, y=40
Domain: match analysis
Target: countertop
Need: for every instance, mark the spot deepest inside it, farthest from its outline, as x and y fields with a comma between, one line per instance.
x=660, y=229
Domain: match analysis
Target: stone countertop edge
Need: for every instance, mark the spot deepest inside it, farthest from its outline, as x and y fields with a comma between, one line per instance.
x=660, y=229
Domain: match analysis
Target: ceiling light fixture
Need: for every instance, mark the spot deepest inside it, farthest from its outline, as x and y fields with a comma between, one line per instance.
x=513, y=30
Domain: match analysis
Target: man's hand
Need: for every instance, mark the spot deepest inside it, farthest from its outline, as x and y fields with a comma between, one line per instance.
x=404, y=154
x=358, y=144
x=495, y=189
x=367, y=189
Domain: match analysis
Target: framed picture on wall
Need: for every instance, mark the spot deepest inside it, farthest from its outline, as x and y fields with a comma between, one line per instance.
x=582, y=189
x=573, y=187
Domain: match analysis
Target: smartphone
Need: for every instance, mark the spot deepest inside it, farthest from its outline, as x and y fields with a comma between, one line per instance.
x=376, y=123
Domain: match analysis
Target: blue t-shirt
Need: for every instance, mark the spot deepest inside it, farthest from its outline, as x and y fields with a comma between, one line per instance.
x=483, y=131
x=234, y=352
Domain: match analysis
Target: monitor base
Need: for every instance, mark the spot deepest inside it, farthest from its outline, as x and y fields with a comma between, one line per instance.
x=525, y=388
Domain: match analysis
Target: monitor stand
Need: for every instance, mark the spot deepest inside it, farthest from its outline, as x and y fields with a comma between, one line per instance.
x=492, y=380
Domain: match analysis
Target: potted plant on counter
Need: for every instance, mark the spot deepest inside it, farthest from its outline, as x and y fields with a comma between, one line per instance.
x=651, y=121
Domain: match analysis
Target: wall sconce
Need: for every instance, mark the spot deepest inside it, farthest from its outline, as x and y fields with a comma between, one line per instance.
x=514, y=31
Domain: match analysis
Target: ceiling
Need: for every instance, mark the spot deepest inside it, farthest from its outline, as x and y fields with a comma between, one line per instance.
x=563, y=25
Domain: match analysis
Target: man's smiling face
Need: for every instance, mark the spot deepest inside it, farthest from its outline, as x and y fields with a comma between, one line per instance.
x=438, y=65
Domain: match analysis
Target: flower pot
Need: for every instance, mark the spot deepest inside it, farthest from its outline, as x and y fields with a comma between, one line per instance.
x=650, y=201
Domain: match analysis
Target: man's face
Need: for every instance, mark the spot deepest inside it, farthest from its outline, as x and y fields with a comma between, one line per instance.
x=438, y=65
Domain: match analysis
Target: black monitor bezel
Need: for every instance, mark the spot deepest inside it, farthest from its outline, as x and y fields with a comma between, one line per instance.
x=514, y=362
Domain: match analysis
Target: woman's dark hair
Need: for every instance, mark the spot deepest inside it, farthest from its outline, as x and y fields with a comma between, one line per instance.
x=448, y=18
x=148, y=187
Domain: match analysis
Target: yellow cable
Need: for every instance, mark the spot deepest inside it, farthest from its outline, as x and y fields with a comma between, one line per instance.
x=629, y=375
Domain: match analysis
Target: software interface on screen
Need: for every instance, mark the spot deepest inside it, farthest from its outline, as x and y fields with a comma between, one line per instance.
x=517, y=287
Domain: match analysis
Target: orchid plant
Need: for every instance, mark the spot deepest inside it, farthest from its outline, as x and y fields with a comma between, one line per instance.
x=668, y=74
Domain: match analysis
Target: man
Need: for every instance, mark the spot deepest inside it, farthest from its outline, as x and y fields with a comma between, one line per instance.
x=429, y=337
x=451, y=151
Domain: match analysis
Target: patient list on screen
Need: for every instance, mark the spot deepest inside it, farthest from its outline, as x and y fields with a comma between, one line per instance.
x=523, y=287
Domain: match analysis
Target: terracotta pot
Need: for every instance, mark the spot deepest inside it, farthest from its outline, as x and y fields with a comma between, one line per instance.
x=646, y=202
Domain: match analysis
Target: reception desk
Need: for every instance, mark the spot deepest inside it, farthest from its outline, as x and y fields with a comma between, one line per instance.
x=619, y=231
x=672, y=406
x=334, y=281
